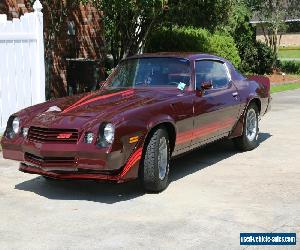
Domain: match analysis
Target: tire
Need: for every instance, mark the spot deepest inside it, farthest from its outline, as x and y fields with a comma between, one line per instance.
x=47, y=178
x=154, y=170
x=248, y=140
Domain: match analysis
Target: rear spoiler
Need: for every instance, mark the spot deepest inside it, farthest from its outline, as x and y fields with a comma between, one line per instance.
x=265, y=81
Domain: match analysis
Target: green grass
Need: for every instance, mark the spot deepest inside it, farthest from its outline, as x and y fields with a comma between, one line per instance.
x=285, y=87
x=289, y=52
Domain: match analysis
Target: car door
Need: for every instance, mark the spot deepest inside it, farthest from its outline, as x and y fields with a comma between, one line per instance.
x=184, y=116
x=216, y=109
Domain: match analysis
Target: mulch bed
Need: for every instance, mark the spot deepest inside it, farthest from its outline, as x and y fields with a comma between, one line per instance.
x=278, y=79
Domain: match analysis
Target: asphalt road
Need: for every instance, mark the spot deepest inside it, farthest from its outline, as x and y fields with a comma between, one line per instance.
x=215, y=194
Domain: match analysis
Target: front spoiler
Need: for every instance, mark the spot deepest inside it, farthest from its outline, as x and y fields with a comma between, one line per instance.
x=69, y=176
x=129, y=171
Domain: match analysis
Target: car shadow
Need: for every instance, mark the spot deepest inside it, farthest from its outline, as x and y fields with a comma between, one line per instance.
x=110, y=193
x=206, y=156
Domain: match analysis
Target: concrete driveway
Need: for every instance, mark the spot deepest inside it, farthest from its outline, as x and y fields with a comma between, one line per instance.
x=215, y=194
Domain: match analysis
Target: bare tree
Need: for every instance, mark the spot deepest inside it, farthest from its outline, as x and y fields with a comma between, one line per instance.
x=128, y=24
x=273, y=16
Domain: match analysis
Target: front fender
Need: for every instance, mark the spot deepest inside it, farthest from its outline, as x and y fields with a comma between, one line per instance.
x=157, y=120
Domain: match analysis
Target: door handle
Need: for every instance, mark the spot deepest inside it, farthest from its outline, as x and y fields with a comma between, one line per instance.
x=235, y=94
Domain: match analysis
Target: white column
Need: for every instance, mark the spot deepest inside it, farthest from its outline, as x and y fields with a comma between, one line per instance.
x=40, y=58
x=3, y=18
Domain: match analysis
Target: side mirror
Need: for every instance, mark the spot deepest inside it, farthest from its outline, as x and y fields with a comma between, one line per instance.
x=206, y=85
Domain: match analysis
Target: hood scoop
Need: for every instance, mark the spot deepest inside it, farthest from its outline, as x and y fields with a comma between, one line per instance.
x=54, y=109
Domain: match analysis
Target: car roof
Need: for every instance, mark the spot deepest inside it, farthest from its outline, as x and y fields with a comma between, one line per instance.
x=186, y=55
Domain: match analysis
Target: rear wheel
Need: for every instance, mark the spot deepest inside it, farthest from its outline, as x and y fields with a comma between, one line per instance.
x=154, y=171
x=249, y=139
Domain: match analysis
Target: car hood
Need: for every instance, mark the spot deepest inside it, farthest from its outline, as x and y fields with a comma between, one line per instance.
x=80, y=111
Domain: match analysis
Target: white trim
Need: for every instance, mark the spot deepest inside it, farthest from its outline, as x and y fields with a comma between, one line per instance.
x=17, y=36
x=228, y=72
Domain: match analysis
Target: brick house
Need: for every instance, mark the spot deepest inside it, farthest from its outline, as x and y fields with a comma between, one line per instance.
x=289, y=38
x=77, y=47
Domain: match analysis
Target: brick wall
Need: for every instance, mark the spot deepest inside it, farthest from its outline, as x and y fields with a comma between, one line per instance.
x=88, y=41
x=13, y=8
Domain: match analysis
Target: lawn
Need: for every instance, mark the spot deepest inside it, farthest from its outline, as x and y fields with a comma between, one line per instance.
x=289, y=52
x=285, y=87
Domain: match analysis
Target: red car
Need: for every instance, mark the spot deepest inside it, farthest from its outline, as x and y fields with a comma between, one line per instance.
x=152, y=108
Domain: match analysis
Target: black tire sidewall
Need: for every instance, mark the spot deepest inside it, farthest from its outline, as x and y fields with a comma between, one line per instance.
x=149, y=170
x=251, y=144
x=242, y=142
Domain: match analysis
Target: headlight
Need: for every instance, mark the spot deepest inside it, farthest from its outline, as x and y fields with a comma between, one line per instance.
x=109, y=133
x=13, y=127
x=16, y=125
x=106, y=135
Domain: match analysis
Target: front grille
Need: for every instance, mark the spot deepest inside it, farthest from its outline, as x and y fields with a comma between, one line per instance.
x=53, y=135
x=50, y=161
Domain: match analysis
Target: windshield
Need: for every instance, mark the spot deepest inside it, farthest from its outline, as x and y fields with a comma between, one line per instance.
x=151, y=72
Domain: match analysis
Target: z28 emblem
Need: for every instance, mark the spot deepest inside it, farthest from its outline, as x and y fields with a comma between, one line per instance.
x=64, y=136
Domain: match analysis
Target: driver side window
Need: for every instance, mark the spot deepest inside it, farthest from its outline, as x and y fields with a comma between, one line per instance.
x=211, y=71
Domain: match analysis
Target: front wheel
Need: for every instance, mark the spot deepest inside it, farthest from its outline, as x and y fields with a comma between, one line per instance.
x=249, y=139
x=154, y=171
x=47, y=178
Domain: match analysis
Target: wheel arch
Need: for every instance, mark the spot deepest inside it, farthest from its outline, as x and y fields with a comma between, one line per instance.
x=169, y=126
x=257, y=102
x=239, y=127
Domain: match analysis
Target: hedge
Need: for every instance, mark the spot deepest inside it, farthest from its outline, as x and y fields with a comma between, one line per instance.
x=189, y=39
x=224, y=46
x=291, y=67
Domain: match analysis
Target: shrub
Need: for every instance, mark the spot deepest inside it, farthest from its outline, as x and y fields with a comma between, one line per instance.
x=178, y=39
x=249, y=58
x=291, y=67
x=266, y=60
x=257, y=58
x=188, y=39
x=224, y=46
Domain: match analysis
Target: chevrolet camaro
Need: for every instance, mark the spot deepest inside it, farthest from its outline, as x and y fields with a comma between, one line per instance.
x=151, y=108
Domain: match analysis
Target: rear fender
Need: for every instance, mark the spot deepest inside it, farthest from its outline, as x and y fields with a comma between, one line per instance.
x=239, y=126
x=263, y=81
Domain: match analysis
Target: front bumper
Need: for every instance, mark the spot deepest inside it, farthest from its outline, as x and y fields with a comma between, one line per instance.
x=73, y=161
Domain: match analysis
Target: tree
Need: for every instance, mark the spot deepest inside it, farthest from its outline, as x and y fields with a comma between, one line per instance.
x=208, y=14
x=273, y=15
x=128, y=24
